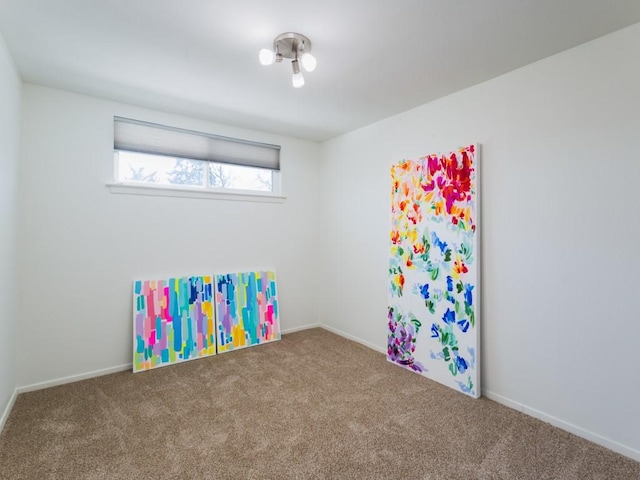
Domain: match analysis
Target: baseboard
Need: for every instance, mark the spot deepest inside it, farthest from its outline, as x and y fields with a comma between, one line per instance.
x=299, y=329
x=120, y=368
x=556, y=422
x=7, y=410
x=569, y=427
x=73, y=378
x=353, y=338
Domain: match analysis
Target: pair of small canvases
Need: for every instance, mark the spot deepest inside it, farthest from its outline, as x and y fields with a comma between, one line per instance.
x=185, y=318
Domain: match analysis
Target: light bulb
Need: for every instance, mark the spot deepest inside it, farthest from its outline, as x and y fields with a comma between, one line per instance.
x=309, y=62
x=267, y=57
x=298, y=80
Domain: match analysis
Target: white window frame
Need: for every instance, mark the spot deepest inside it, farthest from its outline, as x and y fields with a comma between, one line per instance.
x=186, y=191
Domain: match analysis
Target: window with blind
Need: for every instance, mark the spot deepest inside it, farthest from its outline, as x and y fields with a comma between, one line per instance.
x=174, y=158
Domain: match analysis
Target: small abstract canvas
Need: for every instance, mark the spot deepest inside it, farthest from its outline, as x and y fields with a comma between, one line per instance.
x=246, y=310
x=433, y=269
x=173, y=321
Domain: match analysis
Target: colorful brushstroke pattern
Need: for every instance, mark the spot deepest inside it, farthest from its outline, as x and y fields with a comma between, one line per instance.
x=246, y=310
x=402, y=340
x=433, y=268
x=173, y=321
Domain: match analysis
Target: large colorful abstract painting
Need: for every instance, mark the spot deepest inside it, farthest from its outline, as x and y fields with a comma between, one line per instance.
x=246, y=310
x=173, y=321
x=434, y=270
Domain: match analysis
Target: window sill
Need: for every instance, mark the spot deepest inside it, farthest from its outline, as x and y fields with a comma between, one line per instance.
x=164, y=191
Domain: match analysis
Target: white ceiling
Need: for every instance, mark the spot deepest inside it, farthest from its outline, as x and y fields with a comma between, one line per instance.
x=376, y=58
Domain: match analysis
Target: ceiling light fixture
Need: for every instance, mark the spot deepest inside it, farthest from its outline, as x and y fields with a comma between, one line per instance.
x=295, y=47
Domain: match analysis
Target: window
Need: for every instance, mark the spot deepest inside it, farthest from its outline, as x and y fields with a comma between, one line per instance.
x=152, y=155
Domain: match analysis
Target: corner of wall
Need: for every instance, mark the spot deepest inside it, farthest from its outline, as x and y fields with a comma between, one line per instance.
x=10, y=128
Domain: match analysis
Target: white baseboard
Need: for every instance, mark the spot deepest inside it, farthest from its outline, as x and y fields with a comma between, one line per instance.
x=73, y=378
x=299, y=329
x=7, y=410
x=119, y=368
x=353, y=338
x=569, y=427
x=556, y=422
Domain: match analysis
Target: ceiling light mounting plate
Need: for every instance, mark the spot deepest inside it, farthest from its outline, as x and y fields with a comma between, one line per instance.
x=291, y=44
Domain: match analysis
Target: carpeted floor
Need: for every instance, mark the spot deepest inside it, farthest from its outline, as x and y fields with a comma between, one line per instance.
x=313, y=405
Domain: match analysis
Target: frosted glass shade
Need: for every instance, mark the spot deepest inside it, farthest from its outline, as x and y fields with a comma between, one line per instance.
x=298, y=80
x=267, y=57
x=309, y=62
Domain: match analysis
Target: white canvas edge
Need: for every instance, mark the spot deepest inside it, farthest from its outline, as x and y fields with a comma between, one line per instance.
x=479, y=286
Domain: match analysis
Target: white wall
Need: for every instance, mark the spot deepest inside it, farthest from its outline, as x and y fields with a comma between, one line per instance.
x=10, y=86
x=560, y=231
x=82, y=246
x=560, y=172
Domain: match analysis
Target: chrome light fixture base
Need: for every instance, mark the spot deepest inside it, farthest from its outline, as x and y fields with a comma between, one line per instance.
x=295, y=47
x=291, y=45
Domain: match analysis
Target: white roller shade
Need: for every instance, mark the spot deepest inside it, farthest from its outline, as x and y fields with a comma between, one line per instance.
x=144, y=137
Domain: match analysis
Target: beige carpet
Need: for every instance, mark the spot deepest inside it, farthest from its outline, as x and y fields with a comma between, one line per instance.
x=313, y=405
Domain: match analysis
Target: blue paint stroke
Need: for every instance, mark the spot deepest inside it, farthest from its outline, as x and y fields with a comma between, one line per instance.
x=439, y=243
x=464, y=387
x=435, y=333
x=472, y=354
x=462, y=364
x=464, y=325
x=449, y=317
x=468, y=297
x=436, y=356
x=449, y=283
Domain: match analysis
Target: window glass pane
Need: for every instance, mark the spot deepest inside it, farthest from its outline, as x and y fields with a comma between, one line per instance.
x=239, y=177
x=186, y=172
x=160, y=170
